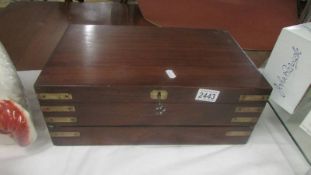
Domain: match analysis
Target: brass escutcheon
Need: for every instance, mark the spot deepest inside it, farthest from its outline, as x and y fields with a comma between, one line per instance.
x=158, y=94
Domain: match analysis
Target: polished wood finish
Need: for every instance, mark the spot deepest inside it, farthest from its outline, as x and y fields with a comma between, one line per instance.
x=108, y=74
x=30, y=31
x=109, y=57
x=258, y=57
x=150, y=135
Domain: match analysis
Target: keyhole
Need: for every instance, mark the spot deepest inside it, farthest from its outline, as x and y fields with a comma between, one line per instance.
x=159, y=95
x=160, y=109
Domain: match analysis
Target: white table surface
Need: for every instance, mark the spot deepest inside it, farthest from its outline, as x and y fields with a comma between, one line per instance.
x=269, y=151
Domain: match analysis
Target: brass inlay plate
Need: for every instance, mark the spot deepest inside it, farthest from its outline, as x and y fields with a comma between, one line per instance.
x=61, y=119
x=65, y=134
x=158, y=94
x=238, y=133
x=54, y=96
x=248, y=109
x=58, y=109
x=244, y=120
x=254, y=97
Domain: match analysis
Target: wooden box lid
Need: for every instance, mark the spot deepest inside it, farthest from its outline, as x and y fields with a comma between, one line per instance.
x=128, y=56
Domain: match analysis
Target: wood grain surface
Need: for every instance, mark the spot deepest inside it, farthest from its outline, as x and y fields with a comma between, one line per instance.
x=112, y=56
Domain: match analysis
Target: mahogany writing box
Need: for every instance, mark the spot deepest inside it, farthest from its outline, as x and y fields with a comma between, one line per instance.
x=148, y=85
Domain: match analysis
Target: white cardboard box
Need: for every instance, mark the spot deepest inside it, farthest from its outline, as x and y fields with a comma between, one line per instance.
x=288, y=69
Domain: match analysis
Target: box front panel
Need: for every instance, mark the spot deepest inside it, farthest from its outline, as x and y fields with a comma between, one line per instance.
x=149, y=114
x=149, y=135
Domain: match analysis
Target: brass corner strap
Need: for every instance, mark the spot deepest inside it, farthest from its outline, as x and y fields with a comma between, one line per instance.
x=54, y=96
x=238, y=133
x=65, y=134
x=61, y=119
x=255, y=109
x=58, y=109
x=254, y=97
x=244, y=119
